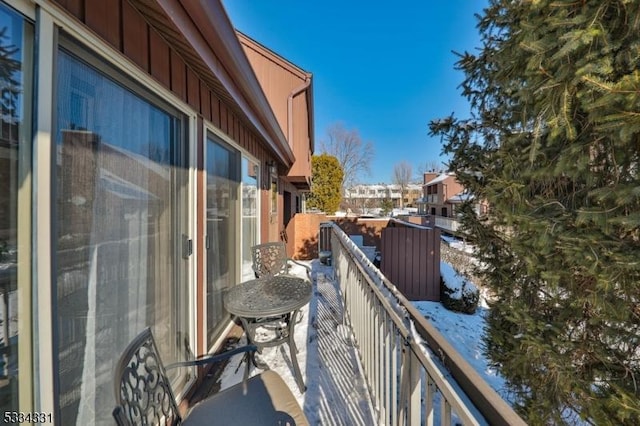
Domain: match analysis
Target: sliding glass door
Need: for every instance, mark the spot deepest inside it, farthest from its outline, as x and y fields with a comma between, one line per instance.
x=223, y=183
x=121, y=256
x=232, y=225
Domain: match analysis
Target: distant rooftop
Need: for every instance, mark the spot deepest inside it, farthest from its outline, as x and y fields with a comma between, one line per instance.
x=440, y=178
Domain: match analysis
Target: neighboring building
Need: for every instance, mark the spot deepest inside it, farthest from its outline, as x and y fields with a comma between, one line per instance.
x=367, y=197
x=142, y=156
x=437, y=192
x=442, y=195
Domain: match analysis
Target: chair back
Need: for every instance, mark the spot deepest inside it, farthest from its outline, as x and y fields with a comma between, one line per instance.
x=269, y=259
x=142, y=388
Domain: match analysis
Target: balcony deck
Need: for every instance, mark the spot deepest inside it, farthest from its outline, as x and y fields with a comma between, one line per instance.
x=399, y=363
x=336, y=389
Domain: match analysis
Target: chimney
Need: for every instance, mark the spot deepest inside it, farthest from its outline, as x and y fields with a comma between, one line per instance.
x=429, y=176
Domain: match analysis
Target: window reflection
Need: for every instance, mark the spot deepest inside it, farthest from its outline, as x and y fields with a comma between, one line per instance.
x=222, y=229
x=16, y=38
x=249, y=214
x=119, y=269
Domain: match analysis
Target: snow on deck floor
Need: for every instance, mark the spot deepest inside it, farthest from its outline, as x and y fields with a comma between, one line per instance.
x=336, y=390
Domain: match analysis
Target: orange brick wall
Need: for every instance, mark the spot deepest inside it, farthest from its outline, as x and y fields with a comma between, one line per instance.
x=303, y=229
x=418, y=220
x=370, y=229
x=302, y=235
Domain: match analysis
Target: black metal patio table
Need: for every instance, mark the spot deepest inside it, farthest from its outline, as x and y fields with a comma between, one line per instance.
x=266, y=300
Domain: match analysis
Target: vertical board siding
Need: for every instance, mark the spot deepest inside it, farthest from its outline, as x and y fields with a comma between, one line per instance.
x=178, y=76
x=159, y=59
x=276, y=82
x=193, y=90
x=411, y=262
x=135, y=32
x=424, y=275
x=233, y=127
x=104, y=17
x=430, y=253
x=205, y=101
x=215, y=110
x=224, y=124
x=124, y=28
x=74, y=7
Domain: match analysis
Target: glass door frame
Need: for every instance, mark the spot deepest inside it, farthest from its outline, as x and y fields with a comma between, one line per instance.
x=26, y=283
x=48, y=19
x=220, y=137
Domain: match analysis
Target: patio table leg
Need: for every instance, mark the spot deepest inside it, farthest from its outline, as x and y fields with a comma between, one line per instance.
x=293, y=350
x=251, y=327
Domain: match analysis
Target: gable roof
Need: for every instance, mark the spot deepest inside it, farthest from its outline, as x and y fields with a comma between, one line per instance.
x=440, y=178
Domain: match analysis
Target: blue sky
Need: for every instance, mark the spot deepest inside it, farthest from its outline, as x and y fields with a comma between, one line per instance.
x=383, y=68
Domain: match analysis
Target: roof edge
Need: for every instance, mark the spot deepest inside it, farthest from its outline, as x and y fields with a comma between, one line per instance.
x=276, y=57
x=207, y=27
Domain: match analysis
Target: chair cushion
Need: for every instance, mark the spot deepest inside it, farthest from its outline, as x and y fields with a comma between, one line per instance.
x=268, y=401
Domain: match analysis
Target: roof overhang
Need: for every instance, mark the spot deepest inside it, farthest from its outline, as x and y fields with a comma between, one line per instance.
x=201, y=32
x=302, y=183
x=294, y=69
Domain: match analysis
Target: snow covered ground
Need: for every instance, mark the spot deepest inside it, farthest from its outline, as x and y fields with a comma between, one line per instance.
x=457, y=243
x=464, y=332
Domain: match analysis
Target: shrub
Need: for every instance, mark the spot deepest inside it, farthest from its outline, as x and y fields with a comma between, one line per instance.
x=457, y=293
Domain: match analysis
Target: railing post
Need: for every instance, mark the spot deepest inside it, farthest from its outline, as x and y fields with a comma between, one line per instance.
x=394, y=379
x=429, y=413
x=382, y=348
x=406, y=390
x=415, y=403
x=445, y=412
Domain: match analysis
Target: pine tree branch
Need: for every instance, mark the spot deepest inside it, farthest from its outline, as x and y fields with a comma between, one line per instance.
x=607, y=87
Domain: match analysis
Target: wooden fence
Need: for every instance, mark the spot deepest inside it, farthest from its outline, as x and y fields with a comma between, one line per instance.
x=411, y=259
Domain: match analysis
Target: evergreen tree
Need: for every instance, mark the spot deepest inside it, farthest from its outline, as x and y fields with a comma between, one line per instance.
x=553, y=145
x=386, y=206
x=326, y=187
x=9, y=82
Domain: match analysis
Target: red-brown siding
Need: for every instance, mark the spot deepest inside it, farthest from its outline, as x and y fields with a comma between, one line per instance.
x=105, y=18
x=159, y=59
x=280, y=80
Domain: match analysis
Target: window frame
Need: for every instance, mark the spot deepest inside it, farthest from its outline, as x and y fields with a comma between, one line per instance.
x=208, y=128
x=49, y=19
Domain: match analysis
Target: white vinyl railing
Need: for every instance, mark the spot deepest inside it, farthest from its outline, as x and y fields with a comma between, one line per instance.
x=447, y=223
x=407, y=382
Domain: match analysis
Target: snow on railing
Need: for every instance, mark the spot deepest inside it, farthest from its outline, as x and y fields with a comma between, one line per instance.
x=407, y=379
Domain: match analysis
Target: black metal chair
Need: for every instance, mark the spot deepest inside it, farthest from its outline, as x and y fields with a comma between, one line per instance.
x=270, y=259
x=144, y=395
